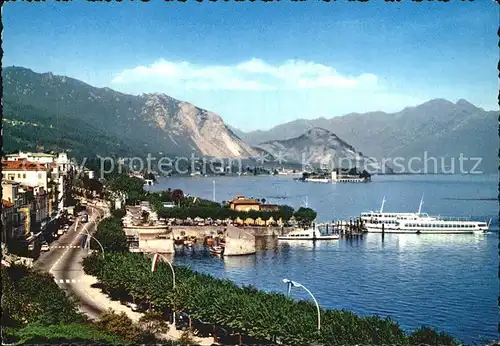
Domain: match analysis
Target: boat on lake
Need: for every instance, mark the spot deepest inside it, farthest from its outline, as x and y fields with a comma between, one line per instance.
x=390, y=217
x=308, y=234
x=416, y=223
x=217, y=250
x=441, y=226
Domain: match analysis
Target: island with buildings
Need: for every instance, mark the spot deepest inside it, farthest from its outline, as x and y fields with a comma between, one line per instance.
x=336, y=176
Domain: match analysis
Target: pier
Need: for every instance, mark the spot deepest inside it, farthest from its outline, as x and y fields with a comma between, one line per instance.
x=345, y=228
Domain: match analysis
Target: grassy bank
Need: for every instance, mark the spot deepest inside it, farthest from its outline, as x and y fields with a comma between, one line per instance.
x=35, y=310
x=258, y=316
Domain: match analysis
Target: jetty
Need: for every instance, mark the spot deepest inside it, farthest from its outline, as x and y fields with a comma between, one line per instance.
x=345, y=228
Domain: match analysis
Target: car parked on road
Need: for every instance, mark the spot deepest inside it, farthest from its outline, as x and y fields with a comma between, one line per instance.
x=45, y=247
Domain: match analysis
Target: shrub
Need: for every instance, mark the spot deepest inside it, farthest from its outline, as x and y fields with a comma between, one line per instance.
x=430, y=336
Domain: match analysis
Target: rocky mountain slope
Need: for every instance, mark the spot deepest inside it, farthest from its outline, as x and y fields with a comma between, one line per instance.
x=318, y=147
x=154, y=123
x=438, y=128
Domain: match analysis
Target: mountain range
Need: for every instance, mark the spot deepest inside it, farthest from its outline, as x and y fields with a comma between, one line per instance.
x=438, y=128
x=317, y=147
x=153, y=123
x=59, y=112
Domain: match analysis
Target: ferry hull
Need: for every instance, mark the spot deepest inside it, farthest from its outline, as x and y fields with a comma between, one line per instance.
x=415, y=231
x=325, y=237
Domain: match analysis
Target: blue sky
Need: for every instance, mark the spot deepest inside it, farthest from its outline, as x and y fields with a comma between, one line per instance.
x=262, y=64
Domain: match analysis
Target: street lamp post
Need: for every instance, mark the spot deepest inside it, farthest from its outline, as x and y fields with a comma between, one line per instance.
x=98, y=242
x=291, y=284
x=87, y=233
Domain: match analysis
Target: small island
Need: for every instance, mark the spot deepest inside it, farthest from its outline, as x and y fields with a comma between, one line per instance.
x=337, y=175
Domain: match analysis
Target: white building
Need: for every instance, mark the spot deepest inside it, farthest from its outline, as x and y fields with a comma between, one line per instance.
x=89, y=173
x=61, y=159
x=58, y=166
x=27, y=173
x=63, y=162
x=32, y=157
x=11, y=192
x=338, y=178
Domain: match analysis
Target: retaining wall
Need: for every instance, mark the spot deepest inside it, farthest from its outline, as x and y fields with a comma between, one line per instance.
x=239, y=242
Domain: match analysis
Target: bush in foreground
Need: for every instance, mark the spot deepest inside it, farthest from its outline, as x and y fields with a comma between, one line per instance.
x=430, y=336
x=35, y=310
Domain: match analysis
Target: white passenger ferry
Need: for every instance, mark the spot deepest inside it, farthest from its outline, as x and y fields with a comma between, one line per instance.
x=420, y=223
x=442, y=226
x=374, y=220
x=308, y=234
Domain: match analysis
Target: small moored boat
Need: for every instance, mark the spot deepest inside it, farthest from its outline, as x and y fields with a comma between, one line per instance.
x=216, y=250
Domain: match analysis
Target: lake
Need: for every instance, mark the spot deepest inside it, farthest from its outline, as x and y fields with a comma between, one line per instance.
x=446, y=281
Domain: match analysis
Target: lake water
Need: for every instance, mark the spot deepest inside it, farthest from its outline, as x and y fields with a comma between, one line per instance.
x=446, y=281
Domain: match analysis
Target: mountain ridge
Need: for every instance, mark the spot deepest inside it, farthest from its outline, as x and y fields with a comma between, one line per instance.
x=158, y=123
x=155, y=122
x=320, y=147
x=438, y=128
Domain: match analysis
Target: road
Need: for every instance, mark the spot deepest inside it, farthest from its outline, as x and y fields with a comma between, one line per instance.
x=64, y=261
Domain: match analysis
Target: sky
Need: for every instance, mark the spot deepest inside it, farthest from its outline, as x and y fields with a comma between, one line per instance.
x=262, y=64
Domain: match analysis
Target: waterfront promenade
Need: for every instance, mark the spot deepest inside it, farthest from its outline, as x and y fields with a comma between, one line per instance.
x=65, y=264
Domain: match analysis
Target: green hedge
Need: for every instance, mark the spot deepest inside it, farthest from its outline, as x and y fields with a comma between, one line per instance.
x=36, y=310
x=264, y=316
x=62, y=333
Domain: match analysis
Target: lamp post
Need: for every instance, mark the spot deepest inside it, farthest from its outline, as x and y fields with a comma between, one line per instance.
x=98, y=242
x=87, y=233
x=291, y=284
x=153, y=268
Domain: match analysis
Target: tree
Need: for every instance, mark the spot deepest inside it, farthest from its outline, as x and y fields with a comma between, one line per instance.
x=72, y=333
x=365, y=175
x=34, y=297
x=111, y=236
x=430, y=336
x=305, y=216
x=144, y=216
x=153, y=322
x=286, y=212
x=118, y=324
x=132, y=186
x=263, y=200
x=177, y=195
x=256, y=314
x=150, y=176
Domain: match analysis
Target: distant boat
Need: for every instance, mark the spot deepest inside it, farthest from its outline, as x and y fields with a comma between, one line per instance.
x=308, y=234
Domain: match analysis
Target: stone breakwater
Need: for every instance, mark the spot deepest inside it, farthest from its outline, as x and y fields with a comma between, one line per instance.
x=239, y=240
x=200, y=232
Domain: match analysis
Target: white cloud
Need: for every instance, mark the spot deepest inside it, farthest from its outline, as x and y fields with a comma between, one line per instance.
x=254, y=74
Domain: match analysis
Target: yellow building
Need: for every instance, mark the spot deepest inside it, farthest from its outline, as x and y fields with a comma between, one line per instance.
x=240, y=203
